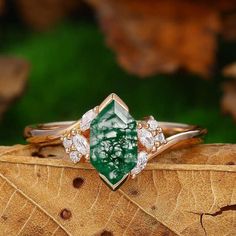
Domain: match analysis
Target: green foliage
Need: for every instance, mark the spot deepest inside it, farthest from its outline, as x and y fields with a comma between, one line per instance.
x=72, y=70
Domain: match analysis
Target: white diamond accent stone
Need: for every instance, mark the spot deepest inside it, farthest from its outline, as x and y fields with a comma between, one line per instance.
x=87, y=119
x=74, y=156
x=142, y=161
x=160, y=138
x=153, y=124
x=81, y=144
x=146, y=138
x=67, y=143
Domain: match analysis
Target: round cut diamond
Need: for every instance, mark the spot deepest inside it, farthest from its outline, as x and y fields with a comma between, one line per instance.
x=74, y=156
x=87, y=119
x=146, y=138
x=153, y=124
x=142, y=161
x=67, y=143
x=81, y=144
x=160, y=138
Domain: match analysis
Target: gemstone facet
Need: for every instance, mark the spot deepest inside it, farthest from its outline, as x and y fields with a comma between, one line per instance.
x=74, y=156
x=113, y=143
x=76, y=145
x=87, y=119
x=142, y=161
x=67, y=143
x=153, y=124
x=146, y=138
x=160, y=138
x=81, y=144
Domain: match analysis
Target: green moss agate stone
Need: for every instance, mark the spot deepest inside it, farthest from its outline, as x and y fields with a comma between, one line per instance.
x=113, y=142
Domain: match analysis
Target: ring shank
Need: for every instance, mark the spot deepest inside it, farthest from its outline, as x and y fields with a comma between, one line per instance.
x=51, y=131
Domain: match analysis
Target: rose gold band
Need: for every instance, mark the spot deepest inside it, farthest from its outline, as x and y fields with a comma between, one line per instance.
x=176, y=133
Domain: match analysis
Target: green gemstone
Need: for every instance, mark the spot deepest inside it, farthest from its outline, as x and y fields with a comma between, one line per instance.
x=113, y=142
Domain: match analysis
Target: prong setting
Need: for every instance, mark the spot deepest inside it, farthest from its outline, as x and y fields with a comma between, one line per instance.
x=110, y=98
x=149, y=138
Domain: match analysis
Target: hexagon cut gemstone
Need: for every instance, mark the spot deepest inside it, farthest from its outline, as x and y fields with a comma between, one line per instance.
x=113, y=143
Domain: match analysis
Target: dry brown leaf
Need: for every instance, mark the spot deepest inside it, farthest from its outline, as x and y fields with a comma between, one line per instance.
x=161, y=36
x=228, y=102
x=152, y=37
x=2, y=6
x=229, y=26
x=230, y=70
x=13, y=79
x=42, y=14
x=184, y=192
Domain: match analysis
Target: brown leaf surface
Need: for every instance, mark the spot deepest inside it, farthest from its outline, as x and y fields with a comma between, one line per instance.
x=229, y=26
x=160, y=36
x=13, y=79
x=152, y=37
x=228, y=102
x=42, y=14
x=2, y=6
x=184, y=192
x=230, y=70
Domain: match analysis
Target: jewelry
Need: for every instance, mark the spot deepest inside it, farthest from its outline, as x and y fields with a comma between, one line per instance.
x=110, y=139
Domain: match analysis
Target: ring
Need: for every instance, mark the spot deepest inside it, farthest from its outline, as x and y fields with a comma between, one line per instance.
x=114, y=142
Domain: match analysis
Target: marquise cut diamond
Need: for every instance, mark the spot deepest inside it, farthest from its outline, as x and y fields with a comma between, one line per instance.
x=81, y=144
x=76, y=146
x=87, y=119
x=146, y=138
x=153, y=124
x=142, y=161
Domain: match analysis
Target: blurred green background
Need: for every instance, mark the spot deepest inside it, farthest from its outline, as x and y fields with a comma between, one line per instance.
x=72, y=70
